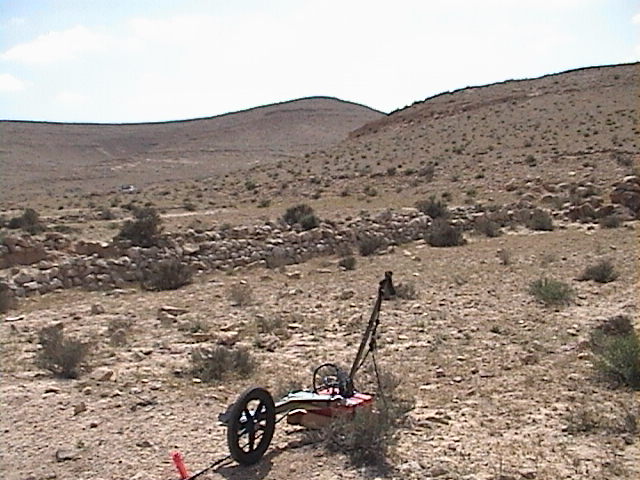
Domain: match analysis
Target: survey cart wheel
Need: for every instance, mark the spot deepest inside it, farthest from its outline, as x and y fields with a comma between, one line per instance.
x=252, y=421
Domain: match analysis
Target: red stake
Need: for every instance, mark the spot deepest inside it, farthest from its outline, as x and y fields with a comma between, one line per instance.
x=178, y=461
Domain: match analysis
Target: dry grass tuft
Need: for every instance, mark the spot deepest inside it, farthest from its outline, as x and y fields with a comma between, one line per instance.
x=63, y=357
x=218, y=362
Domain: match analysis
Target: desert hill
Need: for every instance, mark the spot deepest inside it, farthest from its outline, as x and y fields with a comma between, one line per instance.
x=94, y=157
x=581, y=124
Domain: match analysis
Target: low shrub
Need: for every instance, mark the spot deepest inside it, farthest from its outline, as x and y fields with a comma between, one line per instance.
x=348, y=262
x=540, y=220
x=219, y=362
x=29, y=221
x=368, y=436
x=144, y=230
x=370, y=244
x=7, y=300
x=168, y=275
x=63, y=357
x=616, y=348
x=601, y=272
x=610, y=221
x=118, y=330
x=406, y=291
x=302, y=215
x=487, y=227
x=551, y=292
x=434, y=208
x=442, y=234
x=240, y=294
x=272, y=325
x=504, y=255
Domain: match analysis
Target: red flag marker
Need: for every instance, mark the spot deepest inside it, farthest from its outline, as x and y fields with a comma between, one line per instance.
x=178, y=461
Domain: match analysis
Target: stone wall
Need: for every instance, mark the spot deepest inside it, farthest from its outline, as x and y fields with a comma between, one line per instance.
x=60, y=263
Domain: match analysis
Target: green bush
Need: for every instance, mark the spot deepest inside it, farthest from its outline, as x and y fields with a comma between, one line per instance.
x=144, y=230
x=303, y=215
x=168, y=275
x=616, y=349
x=434, y=208
x=551, y=292
x=442, y=234
x=219, y=362
x=601, y=272
x=61, y=356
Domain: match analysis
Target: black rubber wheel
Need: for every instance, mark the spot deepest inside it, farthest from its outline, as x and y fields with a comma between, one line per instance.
x=252, y=421
x=332, y=377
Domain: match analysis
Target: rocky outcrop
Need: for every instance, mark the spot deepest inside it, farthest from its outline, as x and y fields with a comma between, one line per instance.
x=627, y=193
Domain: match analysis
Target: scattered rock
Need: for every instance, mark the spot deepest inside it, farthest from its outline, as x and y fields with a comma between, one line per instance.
x=97, y=309
x=66, y=454
x=78, y=408
x=175, y=311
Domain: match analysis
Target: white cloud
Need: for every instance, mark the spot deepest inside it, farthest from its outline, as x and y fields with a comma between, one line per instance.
x=56, y=46
x=636, y=19
x=9, y=83
x=70, y=99
x=16, y=21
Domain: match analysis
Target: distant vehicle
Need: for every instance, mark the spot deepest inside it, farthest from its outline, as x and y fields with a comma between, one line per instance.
x=127, y=189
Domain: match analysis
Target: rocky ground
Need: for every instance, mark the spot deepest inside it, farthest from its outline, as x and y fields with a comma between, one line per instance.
x=503, y=386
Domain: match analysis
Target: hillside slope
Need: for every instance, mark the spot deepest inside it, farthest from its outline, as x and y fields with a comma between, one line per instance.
x=97, y=157
x=580, y=125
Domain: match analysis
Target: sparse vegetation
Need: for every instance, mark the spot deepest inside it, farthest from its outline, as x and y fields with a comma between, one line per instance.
x=616, y=349
x=551, y=292
x=601, y=272
x=63, y=357
x=433, y=207
x=240, y=294
x=370, y=244
x=29, y=221
x=504, y=255
x=486, y=226
x=168, y=275
x=144, y=230
x=302, y=215
x=218, y=362
x=118, y=330
x=540, y=220
x=368, y=436
x=273, y=324
x=6, y=299
x=348, y=262
x=406, y=291
x=442, y=234
x=610, y=221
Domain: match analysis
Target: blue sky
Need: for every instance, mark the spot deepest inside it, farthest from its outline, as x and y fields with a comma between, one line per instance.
x=154, y=60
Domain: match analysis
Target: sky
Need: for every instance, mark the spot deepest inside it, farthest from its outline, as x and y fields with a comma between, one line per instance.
x=121, y=61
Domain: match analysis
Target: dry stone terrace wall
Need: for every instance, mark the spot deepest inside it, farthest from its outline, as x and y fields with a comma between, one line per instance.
x=62, y=264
